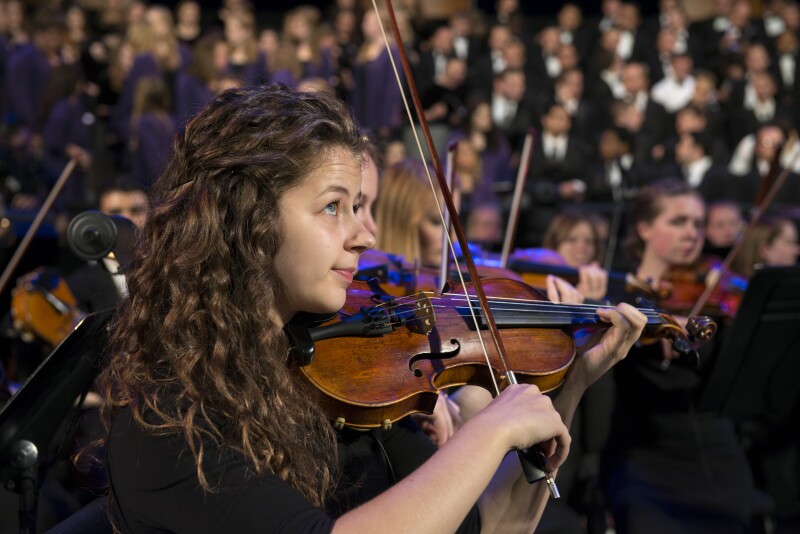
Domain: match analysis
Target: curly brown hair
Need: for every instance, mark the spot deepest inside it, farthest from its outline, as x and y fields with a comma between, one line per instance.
x=196, y=348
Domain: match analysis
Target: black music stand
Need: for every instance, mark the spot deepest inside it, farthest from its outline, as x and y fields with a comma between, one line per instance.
x=36, y=422
x=756, y=373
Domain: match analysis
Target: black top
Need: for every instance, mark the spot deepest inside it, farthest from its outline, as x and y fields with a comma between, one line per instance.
x=154, y=486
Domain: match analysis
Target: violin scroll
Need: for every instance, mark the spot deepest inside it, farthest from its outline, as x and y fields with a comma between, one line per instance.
x=701, y=328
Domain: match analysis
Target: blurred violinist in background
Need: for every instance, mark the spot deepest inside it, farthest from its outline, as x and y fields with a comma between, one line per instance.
x=667, y=464
x=573, y=235
x=773, y=242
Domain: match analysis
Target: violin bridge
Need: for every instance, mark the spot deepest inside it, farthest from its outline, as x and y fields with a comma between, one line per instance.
x=424, y=316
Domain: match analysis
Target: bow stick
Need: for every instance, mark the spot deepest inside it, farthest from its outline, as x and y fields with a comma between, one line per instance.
x=444, y=262
x=519, y=186
x=37, y=222
x=532, y=462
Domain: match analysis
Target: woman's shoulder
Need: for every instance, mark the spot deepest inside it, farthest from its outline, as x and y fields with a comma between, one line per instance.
x=154, y=483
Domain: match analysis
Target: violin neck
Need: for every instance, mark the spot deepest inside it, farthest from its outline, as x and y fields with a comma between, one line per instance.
x=530, y=314
x=570, y=274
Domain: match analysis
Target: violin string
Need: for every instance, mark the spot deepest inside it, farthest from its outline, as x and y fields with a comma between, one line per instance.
x=521, y=305
x=541, y=307
x=434, y=296
x=438, y=204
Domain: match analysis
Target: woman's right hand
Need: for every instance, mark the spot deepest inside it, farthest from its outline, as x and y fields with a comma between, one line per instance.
x=526, y=417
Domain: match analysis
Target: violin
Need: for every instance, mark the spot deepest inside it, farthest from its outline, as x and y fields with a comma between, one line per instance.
x=43, y=307
x=681, y=287
x=401, y=351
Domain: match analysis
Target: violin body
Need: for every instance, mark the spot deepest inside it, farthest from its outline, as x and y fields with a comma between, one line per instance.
x=382, y=358
x=43, y=307
x=683, y=286
x=366, y=383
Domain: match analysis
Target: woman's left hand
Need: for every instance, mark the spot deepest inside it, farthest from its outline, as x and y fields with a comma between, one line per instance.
x=627, y=324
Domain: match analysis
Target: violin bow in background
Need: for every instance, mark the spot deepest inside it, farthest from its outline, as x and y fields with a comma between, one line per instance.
x=516, y=202
x=444, y=261
x=532, y=462
x=37, y=222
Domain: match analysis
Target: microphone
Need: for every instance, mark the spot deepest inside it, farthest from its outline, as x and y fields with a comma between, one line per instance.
x=92, y=235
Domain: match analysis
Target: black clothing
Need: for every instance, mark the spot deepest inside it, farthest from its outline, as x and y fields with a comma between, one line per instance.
x=669, y=468
x=93, y=287
x=154, y=486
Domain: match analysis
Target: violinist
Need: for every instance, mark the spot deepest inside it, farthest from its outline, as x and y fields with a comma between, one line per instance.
x=409, y=224
x=666, y=464
x=253, y=221
x=773, y=242
x=573, y=235
x=445, y=419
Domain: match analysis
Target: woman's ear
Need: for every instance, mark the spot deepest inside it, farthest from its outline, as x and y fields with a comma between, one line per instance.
x=764, y=252
x=643, y=230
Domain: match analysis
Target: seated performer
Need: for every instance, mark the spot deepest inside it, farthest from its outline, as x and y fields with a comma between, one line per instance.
x=255, y=220
x=668, y=466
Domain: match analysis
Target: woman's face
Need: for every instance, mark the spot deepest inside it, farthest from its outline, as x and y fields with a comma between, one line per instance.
x=675, y=236
x=430, y=234
x=322, y=238
x=235, y=32
x=783, y=250
x=298, y=28
x=370, y=28
x=578, y=248
x=723, y=226
x=482, y=118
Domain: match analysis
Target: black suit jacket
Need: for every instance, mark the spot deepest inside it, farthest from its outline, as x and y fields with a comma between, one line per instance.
x=546, y=174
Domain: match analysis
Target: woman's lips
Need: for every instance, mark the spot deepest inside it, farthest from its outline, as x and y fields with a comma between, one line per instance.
x=347, y=274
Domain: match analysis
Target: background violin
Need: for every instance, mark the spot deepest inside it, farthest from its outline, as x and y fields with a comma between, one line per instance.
x=681, y=288
x=382, y=358
x=43, y=307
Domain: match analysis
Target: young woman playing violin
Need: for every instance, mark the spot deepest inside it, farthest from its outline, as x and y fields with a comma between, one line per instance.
x=409, y=225
x=668, y=467
x=573, y=235
x=253, y=221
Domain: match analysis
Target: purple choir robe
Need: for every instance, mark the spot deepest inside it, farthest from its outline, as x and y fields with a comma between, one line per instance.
x=375, y=99
x=155, y=134
x=63, y=126
x=252, y=73
x=27, y=74
x=191, y=95
x=495, y=164
x=144, y=65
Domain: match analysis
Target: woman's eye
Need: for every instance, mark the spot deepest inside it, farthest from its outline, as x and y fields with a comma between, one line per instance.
x=332, y=208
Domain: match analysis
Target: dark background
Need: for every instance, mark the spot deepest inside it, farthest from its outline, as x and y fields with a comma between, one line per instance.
x=533, y=8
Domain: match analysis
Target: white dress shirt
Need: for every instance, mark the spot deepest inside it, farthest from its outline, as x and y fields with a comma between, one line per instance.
x=695, y=171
